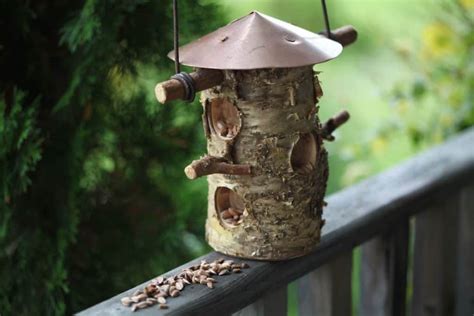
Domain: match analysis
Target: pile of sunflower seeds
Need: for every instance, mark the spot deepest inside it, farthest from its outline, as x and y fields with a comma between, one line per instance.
x=232, y=216
x=161, y=289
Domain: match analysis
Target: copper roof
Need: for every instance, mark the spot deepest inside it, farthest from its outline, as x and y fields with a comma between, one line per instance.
x=258, y=41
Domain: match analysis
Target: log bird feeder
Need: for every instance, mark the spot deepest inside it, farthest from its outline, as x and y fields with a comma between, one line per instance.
x=266, y=165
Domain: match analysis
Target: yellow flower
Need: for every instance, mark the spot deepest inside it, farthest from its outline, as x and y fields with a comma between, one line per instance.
x=378, y=145
x=447, y=120
x=439, y=40
x=402, y=107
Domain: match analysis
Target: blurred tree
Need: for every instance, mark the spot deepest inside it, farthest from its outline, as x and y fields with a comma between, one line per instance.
x=93, y=196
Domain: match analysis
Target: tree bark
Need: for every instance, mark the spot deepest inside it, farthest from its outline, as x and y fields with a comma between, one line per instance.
x=283, y=202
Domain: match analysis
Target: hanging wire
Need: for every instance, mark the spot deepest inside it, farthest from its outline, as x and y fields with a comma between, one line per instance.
x=176, y=36
x=326, y=19
x=183, y=77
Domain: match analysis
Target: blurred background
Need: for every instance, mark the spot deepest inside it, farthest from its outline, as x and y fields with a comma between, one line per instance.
x=93, y=195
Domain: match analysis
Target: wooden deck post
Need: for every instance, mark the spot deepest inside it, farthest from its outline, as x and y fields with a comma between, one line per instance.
x=465, y=264
x=274, y=303
x=327, y=290
x=384, y=272
x=434, y=261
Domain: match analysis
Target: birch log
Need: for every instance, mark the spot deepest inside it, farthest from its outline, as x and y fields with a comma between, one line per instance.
x=267, y=119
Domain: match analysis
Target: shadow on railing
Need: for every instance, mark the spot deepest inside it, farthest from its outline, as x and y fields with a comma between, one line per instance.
x=428, y=199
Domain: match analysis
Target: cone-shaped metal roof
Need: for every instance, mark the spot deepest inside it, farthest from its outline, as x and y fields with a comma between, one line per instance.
x=258, y=41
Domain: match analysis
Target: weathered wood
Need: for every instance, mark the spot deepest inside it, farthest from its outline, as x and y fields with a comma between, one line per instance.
x=434, y=260
x=173, y=89
x=399, y=240
x=273, y=303
x=353, y=216
x=384, y=272
x=211, y=165
x=327, y=290
x=465, y=264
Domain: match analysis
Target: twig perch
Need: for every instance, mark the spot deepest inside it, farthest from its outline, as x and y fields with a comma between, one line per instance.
x=210, y=165
x=333, y=123
x=345, y=35
x=173, y=89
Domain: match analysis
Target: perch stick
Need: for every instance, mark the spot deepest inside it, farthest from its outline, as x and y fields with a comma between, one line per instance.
x=173, y=89
x=210, y=165
x=345, y=35
x=333, y=123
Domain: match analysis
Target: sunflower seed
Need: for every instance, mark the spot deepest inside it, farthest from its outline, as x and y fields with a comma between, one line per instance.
x=151, y=301
x=174, y=293
x=126, y=301
x=232, y=211
x=225, y=214
x=160, y=288
x=186, y=281
x=165, y=288
x=139, y=298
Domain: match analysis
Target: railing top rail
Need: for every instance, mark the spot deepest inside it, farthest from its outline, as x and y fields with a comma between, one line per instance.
x=352, y=216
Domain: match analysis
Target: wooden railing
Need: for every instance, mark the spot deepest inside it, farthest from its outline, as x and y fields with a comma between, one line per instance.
x=428, y=199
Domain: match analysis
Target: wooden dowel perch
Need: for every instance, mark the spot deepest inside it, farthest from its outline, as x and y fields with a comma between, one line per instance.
x=345, y=35
x=333, y=123
x=173, y=89
x=210, y=165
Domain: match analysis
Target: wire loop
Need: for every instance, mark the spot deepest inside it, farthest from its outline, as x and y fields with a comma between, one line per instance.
x=188, y=84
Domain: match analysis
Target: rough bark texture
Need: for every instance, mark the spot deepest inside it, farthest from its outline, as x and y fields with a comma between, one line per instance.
x=283, y=206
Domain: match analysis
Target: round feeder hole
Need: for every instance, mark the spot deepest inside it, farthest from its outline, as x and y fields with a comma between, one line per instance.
x=304, y=154
x=230, y=206
x=224, y=118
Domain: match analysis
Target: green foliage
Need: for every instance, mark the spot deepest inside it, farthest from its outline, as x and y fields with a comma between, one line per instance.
x=94, y=199
x=19, y=153
x=440, y=100
x=436, y=102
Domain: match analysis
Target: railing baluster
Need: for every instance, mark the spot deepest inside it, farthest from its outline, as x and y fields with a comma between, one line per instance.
x=384, y=273
x=435, y=259
x=327, y=290
x=274, y=303
x=465, y=265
